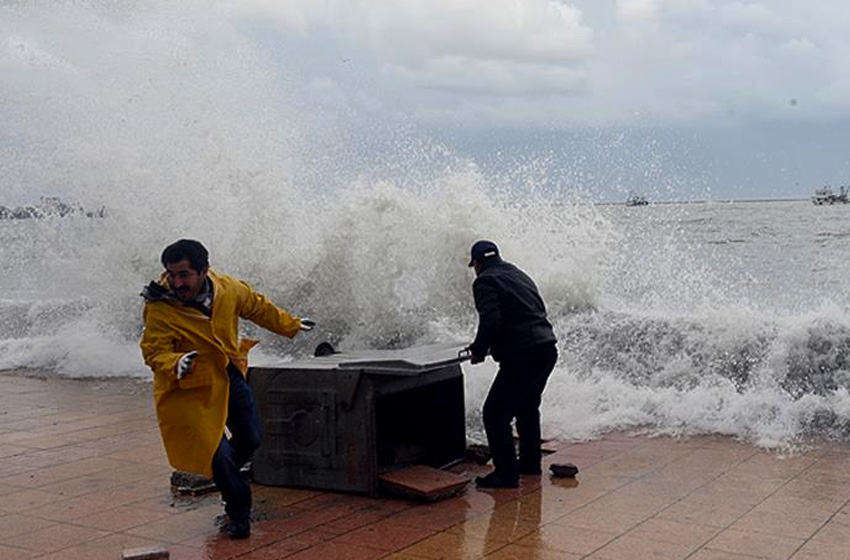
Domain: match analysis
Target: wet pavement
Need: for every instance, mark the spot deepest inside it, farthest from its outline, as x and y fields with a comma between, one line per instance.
x=83, y=477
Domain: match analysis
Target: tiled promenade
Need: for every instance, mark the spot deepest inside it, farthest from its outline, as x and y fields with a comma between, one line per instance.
x=83, y=477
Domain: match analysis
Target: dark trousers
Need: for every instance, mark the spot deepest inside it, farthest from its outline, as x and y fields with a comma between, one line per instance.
x=243, y=421
x=516, y=393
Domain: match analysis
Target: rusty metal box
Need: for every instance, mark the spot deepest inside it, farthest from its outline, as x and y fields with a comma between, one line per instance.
x=337, y=422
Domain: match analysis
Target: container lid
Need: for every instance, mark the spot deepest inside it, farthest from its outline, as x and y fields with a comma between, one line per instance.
x=407, y=361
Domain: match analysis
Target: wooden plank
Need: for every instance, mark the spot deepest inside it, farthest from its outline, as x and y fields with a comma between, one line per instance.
x=423, y=483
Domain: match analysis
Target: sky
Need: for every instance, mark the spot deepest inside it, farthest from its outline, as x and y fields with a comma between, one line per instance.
x=540, y=62
x=678, y=99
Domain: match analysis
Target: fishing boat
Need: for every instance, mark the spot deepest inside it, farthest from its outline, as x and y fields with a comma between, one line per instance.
x=826, y=195
x=636, y=200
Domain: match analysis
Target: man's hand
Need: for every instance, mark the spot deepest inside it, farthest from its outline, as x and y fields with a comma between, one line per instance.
x=186, y=364
x=307, y=324
x=467, y=353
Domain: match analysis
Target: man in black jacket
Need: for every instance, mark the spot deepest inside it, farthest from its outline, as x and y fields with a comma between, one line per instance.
x=513, y=329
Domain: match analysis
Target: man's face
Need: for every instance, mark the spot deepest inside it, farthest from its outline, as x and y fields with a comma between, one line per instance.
x=185, y=281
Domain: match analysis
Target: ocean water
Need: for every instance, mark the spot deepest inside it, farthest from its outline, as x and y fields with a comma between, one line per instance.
x=676, y=318
x=715, y=318
x=727, y=318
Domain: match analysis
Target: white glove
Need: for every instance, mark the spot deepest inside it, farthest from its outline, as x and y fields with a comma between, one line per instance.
x=186, y=364
x=307, y=324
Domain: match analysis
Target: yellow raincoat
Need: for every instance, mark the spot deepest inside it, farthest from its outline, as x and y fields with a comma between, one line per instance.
x=192, y=411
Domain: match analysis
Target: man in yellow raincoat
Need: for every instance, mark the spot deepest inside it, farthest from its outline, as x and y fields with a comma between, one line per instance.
x=191, y=344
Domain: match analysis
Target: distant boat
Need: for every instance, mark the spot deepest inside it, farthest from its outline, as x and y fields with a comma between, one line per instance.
x=825, y=195
x=636, y=200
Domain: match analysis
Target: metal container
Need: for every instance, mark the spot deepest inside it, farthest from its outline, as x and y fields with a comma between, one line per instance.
x=337, y=422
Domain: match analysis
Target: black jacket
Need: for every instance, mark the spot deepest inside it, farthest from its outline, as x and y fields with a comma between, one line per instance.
x=511, y=313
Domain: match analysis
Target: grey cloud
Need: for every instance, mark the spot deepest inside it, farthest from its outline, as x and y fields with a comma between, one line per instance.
x=496, y=47
x=602, y=61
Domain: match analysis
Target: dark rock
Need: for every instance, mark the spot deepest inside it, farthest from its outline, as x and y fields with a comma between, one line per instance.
x=563, y=470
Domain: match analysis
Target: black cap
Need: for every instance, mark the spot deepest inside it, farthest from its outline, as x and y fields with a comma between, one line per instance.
x=483, y=250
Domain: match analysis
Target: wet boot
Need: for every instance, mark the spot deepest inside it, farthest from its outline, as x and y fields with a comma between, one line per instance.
x=497, y=480
x=239, y=529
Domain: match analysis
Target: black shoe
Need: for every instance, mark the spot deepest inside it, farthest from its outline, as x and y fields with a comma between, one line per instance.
x=239, y=529
x=497, y=480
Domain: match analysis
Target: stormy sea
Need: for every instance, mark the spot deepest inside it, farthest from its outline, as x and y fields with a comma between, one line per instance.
x=675, y=318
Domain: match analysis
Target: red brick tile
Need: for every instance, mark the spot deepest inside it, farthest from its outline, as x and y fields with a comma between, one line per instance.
x=54, y=538
x=386, y=535
x=16, y=524
x=221, y=547
x=453, y=546
x=10, y=553
x=24, y=500
x=768, y=546
x=107, y=548
x=432, y=518
x=80, y=486
x=354, y=521
x=338, y=551
x=635, y=548
x=472, y=500
x=121, y=518
x=7, y=447
x=187, y=528
x=514, y=552
x=287, y=546
x=67, y=510
x=566, y=539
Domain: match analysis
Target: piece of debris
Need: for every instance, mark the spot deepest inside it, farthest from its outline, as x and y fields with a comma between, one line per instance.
x=324, y=349
x=146, y=553
x=192, y=484
x=563, y=470
x=422, y=483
